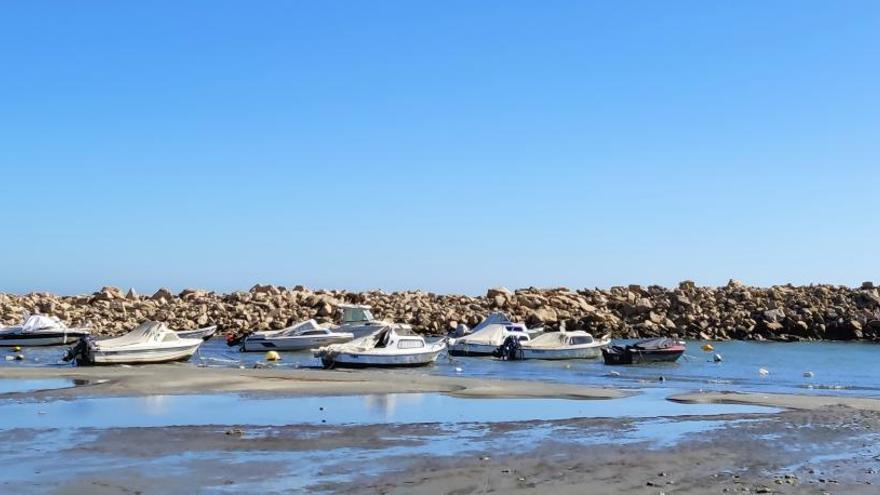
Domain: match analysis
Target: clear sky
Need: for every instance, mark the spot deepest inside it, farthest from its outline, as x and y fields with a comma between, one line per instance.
x=450, y=146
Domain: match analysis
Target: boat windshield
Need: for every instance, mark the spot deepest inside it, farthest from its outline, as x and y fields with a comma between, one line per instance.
x=351, y=315
x=581, y=339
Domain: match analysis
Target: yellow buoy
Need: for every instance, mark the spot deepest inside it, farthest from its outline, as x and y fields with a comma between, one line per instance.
x=16, y=348
x=708, y=347
x=273, y=356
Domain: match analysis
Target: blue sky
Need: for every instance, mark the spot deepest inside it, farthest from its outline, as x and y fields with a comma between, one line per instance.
x=450, y=146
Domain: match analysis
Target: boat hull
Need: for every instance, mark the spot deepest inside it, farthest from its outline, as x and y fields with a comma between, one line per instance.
x=478, y=350
x=138, y=356
x=366, y=360
x=561, y=354
x=40, y=339
x=290, y=343
x=635, y=356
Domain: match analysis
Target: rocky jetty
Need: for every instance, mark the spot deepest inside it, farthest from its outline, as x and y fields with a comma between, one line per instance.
x=734, y=311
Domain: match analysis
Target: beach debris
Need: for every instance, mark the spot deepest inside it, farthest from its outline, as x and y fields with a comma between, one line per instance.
x=717, y=358
x=613, y=373
x=809, y=374
x=708, y=347
x=484, y=458
x=763, y=371
x=273, y=356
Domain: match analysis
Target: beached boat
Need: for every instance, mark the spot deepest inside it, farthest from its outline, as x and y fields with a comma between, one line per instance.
x=200, y=333
x=485, y=341
x=563, y=344
x=358, y=320
x=657, y=350
x=497, y=318
x=389, y=347
x=40, y=330
x=304, y=335
x=151, y=342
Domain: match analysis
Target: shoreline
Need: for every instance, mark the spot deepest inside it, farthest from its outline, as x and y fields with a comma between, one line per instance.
x=174, y=380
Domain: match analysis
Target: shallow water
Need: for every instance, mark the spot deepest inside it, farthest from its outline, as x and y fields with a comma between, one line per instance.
x=222, y=409
x=838, y=367
x=8, y=386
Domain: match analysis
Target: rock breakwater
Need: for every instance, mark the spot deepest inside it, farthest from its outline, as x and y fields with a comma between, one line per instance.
x=733, y=311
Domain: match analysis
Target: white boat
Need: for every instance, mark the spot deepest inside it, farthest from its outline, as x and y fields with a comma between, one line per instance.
x=304, y=335
x=40, y=330
x=388, y=347
x=563, y=344
x=497, y=318
x=487, y=339
x=151, y=342
x=358, y=320
x=199, y=333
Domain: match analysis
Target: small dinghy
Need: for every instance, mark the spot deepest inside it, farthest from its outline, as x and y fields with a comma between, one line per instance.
x=40, y=330
x=304, y=335
x=658, y=350
x=201, y=333
x=563, y=344
x=485, y=341
x=151, y=342
x=389, y=347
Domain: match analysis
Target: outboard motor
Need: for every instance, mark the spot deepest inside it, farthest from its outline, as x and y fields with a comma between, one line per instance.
x=78, y=351
x=510, y=350
x=233, y=340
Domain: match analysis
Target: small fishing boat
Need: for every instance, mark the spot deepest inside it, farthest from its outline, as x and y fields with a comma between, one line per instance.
x=201, y=333
x=657, y=350
x=485, y=342
x=40, y=330
x=359, y=321
x=151, y=342
x=563, y=344
x=497, y=318
x=304, y=335
x=389, y=347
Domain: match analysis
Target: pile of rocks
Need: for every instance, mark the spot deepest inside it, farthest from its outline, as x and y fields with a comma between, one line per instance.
x=734, y=311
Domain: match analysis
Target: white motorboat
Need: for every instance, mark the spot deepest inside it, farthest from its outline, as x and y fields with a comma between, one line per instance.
x=358, y=320
x=388, y=347
x=497, y=318
x=487, y=339
x=151, y=342
x=304, y=335
x=563, y=344
x=40, y=330
x=200, y=333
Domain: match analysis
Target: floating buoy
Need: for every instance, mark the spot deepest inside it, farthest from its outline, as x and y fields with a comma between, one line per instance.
x=273, y=356
x=457, y=369
x=16, y=348
x=19, y=357
x=809, y=374
x=717, y=358
x=708, y=347
x=763, y=371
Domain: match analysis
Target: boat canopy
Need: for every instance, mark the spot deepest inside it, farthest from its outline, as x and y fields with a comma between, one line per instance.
x=36, y=323
x=492, y=335
x=150, y=331
x=658, y=343
x=497, y=318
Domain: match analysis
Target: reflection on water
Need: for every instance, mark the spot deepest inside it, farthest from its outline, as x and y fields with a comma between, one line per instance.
x=192, y=410
x=9, y=385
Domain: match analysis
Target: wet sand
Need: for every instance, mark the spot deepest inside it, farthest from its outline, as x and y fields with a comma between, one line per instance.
x=779, y=453
x=170, y=379
x=788, y=401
